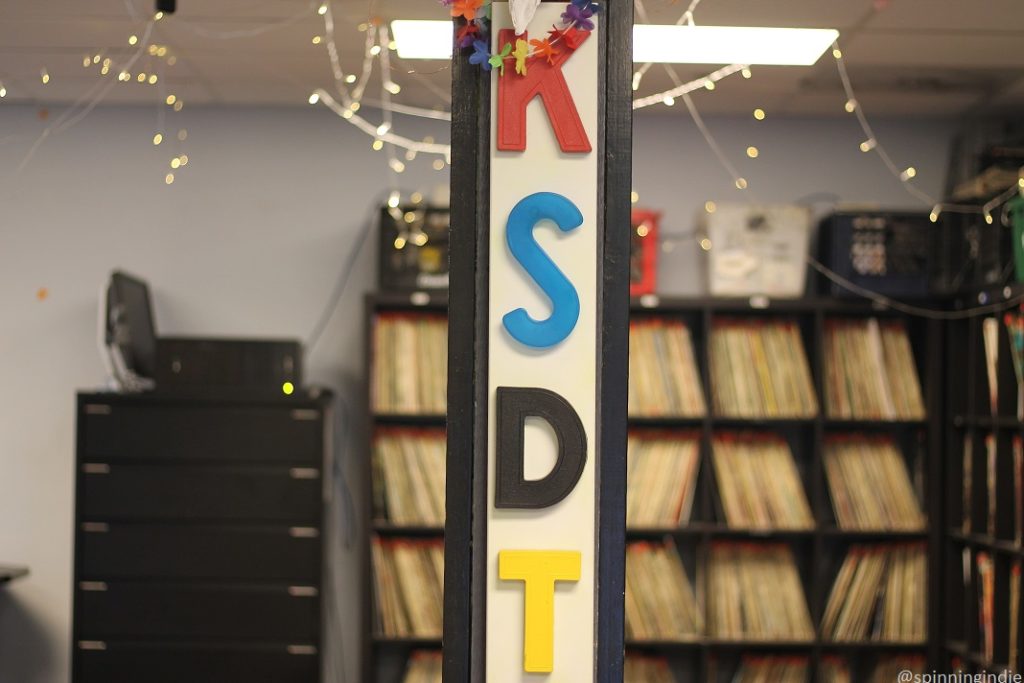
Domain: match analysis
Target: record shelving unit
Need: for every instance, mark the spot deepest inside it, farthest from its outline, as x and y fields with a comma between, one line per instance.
x=983, y=519
x=818, y=550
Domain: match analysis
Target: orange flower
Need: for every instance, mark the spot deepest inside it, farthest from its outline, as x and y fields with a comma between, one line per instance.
x=466, y=8
x=544, y=48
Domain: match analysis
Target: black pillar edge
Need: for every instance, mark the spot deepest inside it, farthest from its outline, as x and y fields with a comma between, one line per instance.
x=615, y=149
x=465, y=586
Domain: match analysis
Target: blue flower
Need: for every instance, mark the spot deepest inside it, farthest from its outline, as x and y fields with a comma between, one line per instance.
x=480, y=55
x=587, y=5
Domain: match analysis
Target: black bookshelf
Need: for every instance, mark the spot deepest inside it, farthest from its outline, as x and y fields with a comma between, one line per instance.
x=968, y=531
x=818, y=550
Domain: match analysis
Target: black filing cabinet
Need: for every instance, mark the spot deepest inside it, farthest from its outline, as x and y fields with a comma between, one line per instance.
x=199, y=538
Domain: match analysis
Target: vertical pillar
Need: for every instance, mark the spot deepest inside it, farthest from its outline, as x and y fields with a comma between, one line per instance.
x=538, y=337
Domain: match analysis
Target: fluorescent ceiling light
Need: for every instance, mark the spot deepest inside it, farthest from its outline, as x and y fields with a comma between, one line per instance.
x=660, y=43
x=730, y=44
x=423, y=39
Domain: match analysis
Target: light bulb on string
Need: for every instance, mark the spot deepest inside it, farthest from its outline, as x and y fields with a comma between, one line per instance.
x=392, y=87
x=322, y=10
x=669, y=101
x=709, y=84
x=634, y=197
x=132, y=40
x=752, y=152
x=182, y=134
x=317, y=40
x=184, y=159
x=347, y=114
x=410, y=154
x=936, y=212
x=746, y=72
x=850, y=106
x=314, y=98
x=908, y=173
x=759, y=114
x=378, y=145
x=171, y=99
x=399, y=242
x=152, y=79
x=710, y=206
x=438, y=165
x=179, y=105
x=741, y=183
x=44, y=76
x=175, y=162
x=158, y=138
x=868, y=145
x=3, y=90
x=420, y=238
x=837, y=53
x=394, y=199
x=988, y=217
x=158, y=16
x=169, y=178
x=383, y=128
x=87, y=61
x=354, y=106
x=392, y=45
x=396, y=165
x=96, y=60
x=416, y=197
x=141, y=77
x=375, y=50
x=637, y=77
x=351, y=78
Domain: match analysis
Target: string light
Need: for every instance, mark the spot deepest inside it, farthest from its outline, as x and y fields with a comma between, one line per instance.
x=314, y=98
x=710, y=206
x=96, y=60
x=378, y=145
x=936, y=212
x=868, y=145
x=322, y=10
x=175, y=162
x=317, y=40
x=182, y=135
x=752, y=152
x=44, y=76
x=158, y=16
x=3, y=90
x=908, y=173
x=184, y=159
x=383, y=128
x=394, y=199
x=153, y=79
x=634, y=197
x=745, y=72
x=759, y=114
x=709, y=84
x=438, y=165
x=416, y=197
x=132, y=40
x=850, y=106
x=179, y=105
x=87, y=61
x=169, y=178
x=171, y=99
x=669, y=101
x=399, y=242
x=158, y=138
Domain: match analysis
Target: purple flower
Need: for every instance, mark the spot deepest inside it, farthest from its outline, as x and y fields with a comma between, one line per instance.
x=480, y=55
x=579, y=17
x=445, y=3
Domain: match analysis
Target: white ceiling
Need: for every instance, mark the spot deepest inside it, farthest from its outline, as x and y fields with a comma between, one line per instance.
x=905, y=57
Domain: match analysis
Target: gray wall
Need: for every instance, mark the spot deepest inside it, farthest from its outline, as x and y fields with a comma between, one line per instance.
x=248, y=242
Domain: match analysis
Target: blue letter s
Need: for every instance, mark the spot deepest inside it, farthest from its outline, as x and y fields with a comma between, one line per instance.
x=565, y=302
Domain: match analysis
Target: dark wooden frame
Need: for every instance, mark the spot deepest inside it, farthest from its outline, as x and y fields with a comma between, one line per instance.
x=465, y=532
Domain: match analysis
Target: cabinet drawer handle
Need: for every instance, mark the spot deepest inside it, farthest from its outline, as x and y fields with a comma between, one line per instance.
x=304, y=473
x=95, y=527
x=92, y=645
x=93, y=586
x=96, y=468
x=302, y=650
x=303, y=591
x=303, y=532
x=305, y=414
x=97, y=409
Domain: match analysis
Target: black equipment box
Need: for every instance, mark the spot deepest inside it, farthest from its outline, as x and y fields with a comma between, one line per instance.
x=413, y=251
x=228, y=364
x=891, y=253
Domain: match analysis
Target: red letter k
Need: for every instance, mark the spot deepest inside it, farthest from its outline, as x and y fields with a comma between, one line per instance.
x=546, y=80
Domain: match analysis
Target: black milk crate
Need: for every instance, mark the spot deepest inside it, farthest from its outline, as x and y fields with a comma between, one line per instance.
x=413, y=250
x=888, y=252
